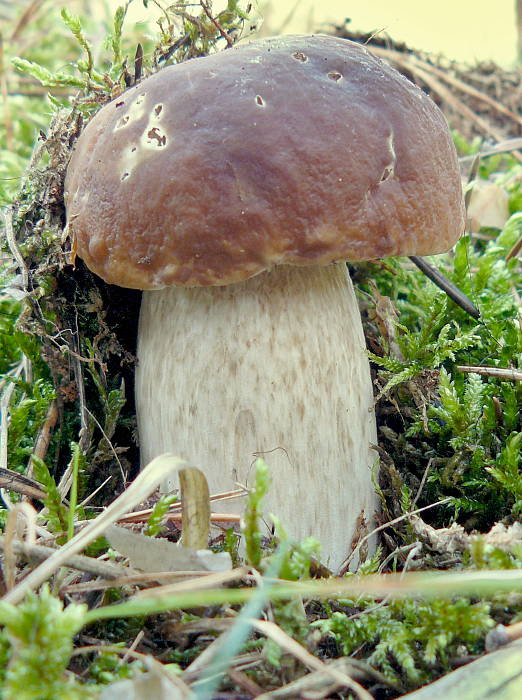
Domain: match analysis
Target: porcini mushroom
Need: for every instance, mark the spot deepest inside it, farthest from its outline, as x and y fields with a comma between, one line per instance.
x=229, y=188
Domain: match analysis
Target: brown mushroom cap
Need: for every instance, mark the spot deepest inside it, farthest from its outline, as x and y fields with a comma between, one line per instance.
x=292, y=150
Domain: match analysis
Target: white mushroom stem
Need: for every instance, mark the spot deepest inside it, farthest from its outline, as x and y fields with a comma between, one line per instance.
x=273, y=367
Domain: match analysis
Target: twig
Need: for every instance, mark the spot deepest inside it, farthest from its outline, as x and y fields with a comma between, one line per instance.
x=175, y=508
x=93, y=493
x=244, y=682
x=515, y=250
x=24, y=272
x=21, y=484
x=423, y=481
x=498, y=372
x=448, y=287
x=44, y=436
x=37, y=552
x=503, y=147
x=26, y=18
x=272, y=631
x=133, y=646
x=122, y=472
x=213, y=20
x=470, y=90
x=132, y=580
x=344, y=566
x=212, y=580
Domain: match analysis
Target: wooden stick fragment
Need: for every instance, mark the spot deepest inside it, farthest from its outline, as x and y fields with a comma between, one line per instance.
x=448, y=287
x=90, y=565
x=498, y=372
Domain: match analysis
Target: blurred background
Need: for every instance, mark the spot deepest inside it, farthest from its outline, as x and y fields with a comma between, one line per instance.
x=480, y=35
x=467, y=30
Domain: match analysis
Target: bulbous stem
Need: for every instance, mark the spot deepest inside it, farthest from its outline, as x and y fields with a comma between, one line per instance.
x=272, y=367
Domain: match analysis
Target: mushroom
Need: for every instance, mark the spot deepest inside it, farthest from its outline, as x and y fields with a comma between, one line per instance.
x=229, y=187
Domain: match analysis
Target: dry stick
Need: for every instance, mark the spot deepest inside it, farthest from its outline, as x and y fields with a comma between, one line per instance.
x=93, y=493
x=444, y=283
x=13, y=247
x=503, y=147
x=21, y=484
x=130, y=579
x=213, y=20
x=346, y=563
x=144, y=484
x=25, y=19
x=133, y=646
x=246, y=683
x=423, y=481
x=515, y=250
x=446, y=95
x=498, y=372
x=44, y=436
x=317, y=685
x=89, y=565
x=112, y=448
x=272, y=631
x=175, y=508
x=212, y=580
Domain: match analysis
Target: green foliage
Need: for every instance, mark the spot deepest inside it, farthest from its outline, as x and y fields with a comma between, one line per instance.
x=77, y=464
x=40, y=632
x=253, y=514
x=507, y=470
x=160, y=510
x=464, y=147
x=467, y=425
x=111, y=402
x=57, y=518
x=28, y=410
x=408, y=639
x=46, y=77
x=422, y=351
x=114, y=40
x=485, y=555
x=107, y=668
x=75, y=26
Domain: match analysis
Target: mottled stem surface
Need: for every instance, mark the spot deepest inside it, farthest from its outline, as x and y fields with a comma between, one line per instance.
x=274, y=367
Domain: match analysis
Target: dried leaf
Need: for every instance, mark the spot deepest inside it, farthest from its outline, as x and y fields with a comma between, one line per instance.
x=196, y=508
x=157, y=554
x=488, y=206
